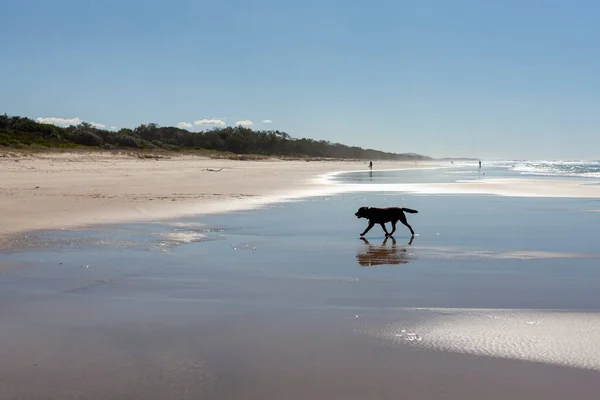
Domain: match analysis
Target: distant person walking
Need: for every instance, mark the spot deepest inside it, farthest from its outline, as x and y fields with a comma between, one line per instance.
x=370, y=164
x=479, y=164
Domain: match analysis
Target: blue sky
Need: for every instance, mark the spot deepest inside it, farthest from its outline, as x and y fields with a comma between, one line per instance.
x=492, y=79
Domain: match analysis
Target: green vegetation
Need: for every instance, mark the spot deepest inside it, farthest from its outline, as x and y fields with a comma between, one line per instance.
x=19, y=132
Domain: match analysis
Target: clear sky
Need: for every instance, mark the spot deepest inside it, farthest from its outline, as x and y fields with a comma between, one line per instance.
x=491, y=79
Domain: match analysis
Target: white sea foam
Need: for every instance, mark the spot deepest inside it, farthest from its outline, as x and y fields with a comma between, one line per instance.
x=582, y=169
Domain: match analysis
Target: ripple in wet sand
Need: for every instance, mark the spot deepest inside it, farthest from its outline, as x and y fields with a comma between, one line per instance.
x=562, y=338
x=456, y=253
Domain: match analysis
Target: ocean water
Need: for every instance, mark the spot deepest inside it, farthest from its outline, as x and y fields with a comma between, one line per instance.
x=577, y=169
x=587, y=171
x=279, y=301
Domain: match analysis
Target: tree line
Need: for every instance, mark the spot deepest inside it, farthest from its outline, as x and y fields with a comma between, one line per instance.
x=21, y=132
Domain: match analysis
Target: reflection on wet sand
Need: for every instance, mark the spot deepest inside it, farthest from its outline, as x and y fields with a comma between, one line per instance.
x=382, y=254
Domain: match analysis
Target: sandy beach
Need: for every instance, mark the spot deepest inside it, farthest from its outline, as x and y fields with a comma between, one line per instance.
x=495, y=298
x=60, y=190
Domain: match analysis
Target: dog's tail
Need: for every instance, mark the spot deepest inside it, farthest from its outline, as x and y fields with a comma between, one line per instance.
x=408, y=210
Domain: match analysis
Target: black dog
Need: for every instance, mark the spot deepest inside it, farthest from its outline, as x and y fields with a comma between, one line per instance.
x=382, y=215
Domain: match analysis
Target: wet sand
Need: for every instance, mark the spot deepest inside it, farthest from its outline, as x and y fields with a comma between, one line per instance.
x=495, y=298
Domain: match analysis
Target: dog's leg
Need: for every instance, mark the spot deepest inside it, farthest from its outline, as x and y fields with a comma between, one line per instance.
x=409, y=227
x=393, y=227
x=371, y=224
x=405, y=222
x=384, y=229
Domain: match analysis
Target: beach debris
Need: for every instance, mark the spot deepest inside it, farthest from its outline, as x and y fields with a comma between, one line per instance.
x=150, y=156
x=213, y=170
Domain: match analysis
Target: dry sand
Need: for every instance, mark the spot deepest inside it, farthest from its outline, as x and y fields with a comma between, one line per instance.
x=62, y=190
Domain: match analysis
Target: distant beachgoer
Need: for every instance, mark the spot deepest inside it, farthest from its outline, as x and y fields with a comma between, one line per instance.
x=370, y=164
x=479, y=164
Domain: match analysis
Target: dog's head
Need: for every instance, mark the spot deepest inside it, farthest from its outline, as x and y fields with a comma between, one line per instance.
x=362, y=212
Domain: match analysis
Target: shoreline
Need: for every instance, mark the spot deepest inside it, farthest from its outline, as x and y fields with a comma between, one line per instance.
x=508, y=187
x=70, y=190
x=77, y=189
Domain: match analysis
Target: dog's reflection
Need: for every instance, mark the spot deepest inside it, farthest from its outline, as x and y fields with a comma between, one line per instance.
x=374, y=255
